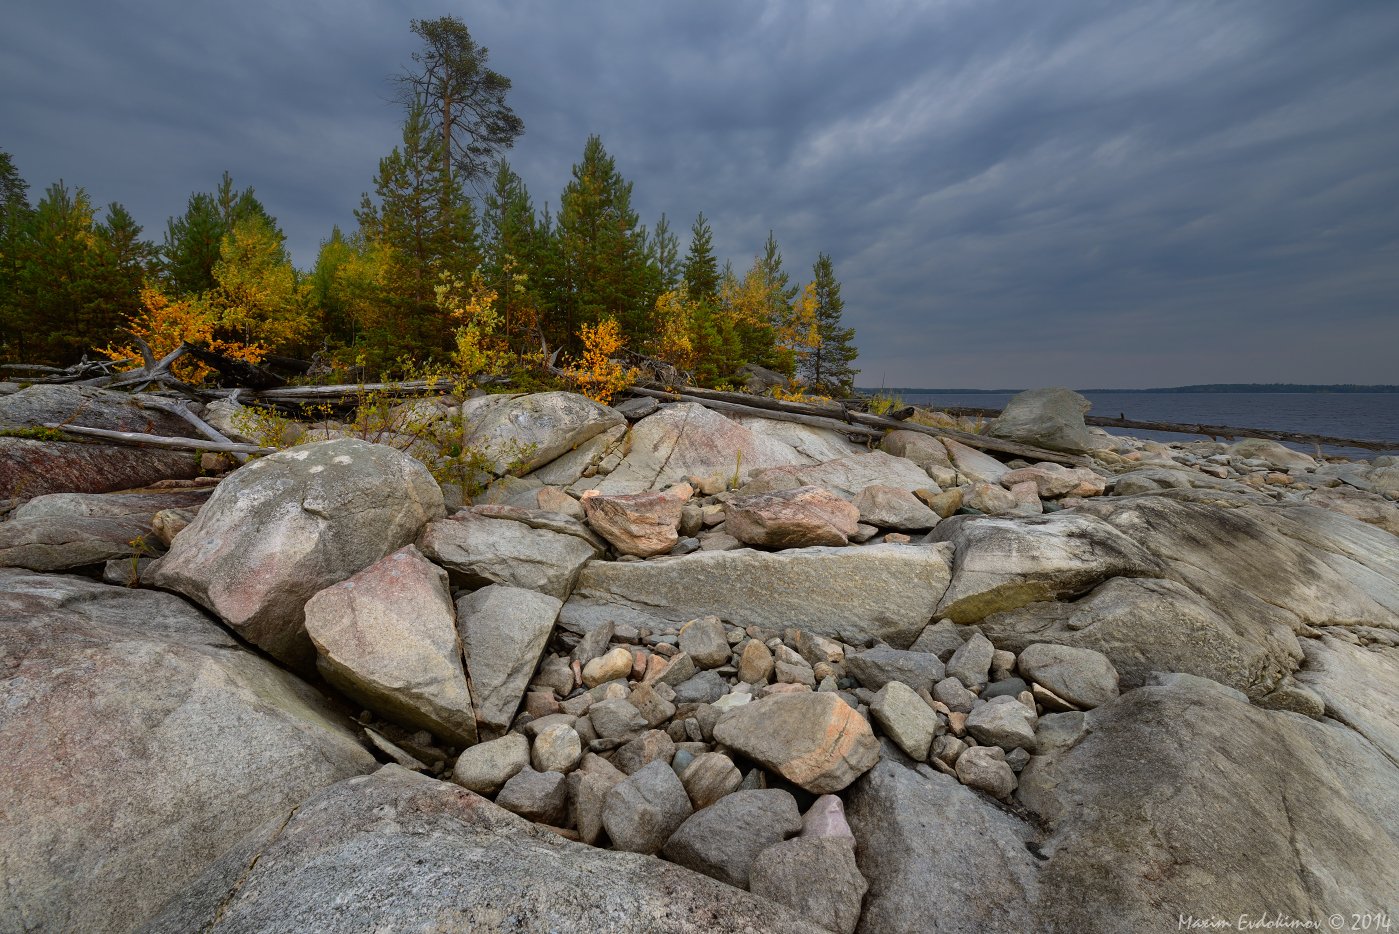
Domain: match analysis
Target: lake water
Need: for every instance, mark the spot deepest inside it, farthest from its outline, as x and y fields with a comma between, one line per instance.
x=1367, y=416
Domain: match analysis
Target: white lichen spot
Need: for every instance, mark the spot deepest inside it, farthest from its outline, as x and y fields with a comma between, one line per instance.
x=317, y=469
x=298, y=455
x=342, y=459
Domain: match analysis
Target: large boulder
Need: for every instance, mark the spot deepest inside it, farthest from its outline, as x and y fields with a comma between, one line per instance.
x=931, y=848
x=886, y=591
x=1271, y=453
x=388, y=638
x=640, y=524
x=480, y=548
x=1182, y=800
x=90, y=407
x=686, y=440
x=503, y=631
x=1048, y=418
x=846, y=475
x=816, y=741
x=398, y=851
x=520, y=433
x=279, y=530
x=138, y=742
x=801, y=517
x=1002, y=564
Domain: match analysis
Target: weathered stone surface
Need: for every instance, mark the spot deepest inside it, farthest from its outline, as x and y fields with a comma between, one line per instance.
x=706, y=641
x=485, y=550
x=923, y=450
x=985, y=769
x=815, y=741
x=972, y=465
x=846, y=476
x=794, y=518
x=971, y=663
x=888, y=591
x=285, y=527
x=557, y=748
x=755, y=664
x=1359, y=686
x=1144, y=625
x=521, y=433
x=91, y=407
x=722, y=840
x=1143, y=789
x=940, y=639
x=905, y=718
x=931, y=848
x=686, y=439
x=486, y=767
x=1002, y=564
x=826, y=819
x=541, y=797
x=711, y=776
x=642, y=811
x=61, y=542
x=33, y=468
x=653, y=746
x=503, y=631
x=1049, y=418
x=387, y=637
x=613, y=664
x=817, y=445
x=892, y=508
x=1082, y=677
x=991, y=499
x=141, y=506
x=1275, y=454
x=641, y=524
x=616, y=718
x=342, y=865
x=877, y=667
x=1367, y=507
x=785, y=873
x=1003, y=722
x=138, y=741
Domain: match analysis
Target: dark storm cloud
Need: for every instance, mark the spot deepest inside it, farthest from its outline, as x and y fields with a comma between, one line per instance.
x=1091, y=193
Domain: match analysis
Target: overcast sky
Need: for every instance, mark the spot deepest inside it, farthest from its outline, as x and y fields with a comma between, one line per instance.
x=1094, y=193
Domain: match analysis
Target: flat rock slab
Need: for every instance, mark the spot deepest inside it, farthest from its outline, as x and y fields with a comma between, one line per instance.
x=1002, y=564
x=801, y=517
x=138, y=742
x=845, y=475
x=388, y=637
x=110, y=505
x=816, y=741
x=398, y=851
x=886, y=591
x=282, y=528
x=34, y=468
x=58, y=543
x=484, y=549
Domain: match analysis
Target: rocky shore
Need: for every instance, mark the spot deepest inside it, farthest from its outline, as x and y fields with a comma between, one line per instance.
x=677, y=671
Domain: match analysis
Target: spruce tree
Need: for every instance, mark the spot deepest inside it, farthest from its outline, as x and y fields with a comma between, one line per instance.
x=604, y=271
x=510, y=247
x=827, y=367
x=665, y=252
x=192, y=240
x=14, y=216
x=701, y=270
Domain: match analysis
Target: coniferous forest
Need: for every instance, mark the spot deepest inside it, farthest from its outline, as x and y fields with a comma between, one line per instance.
x=451, y=266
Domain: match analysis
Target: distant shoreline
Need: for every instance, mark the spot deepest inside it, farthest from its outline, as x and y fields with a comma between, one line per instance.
x=1343, y=388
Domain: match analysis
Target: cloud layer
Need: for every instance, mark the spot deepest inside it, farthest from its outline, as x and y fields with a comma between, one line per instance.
x=1082, y=192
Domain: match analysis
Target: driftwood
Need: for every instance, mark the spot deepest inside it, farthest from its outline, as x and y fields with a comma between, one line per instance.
x=203, y=427
x=1211, y=431
x=840, y=418
x=160, y=441
x=78, y=372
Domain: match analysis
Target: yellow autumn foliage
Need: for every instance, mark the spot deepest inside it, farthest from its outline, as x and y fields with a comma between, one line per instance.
x=597, y=375
x=165, y=323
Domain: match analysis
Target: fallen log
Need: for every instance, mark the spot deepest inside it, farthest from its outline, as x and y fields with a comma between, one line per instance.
x=160, y=441
x=1214, y=432
x=203, y=427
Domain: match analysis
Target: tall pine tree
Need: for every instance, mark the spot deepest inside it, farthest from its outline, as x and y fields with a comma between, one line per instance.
x=827, y=367
x=701, y=269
